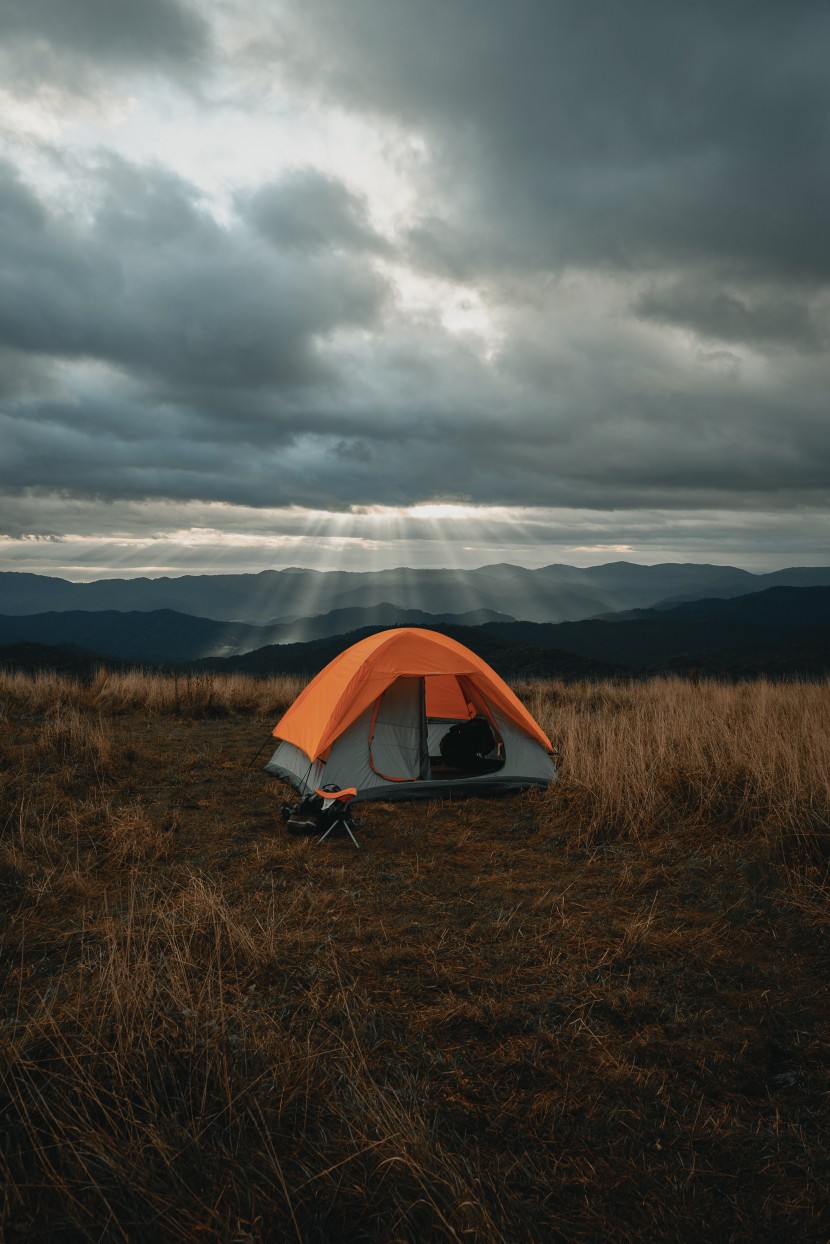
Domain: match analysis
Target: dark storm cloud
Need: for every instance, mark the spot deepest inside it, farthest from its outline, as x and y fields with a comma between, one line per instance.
x=193, y=348
x=208, y=363
x=633, y=136
x=154, y=285
x=310, y=211
x=610, y=447
x=638, y=193
x=764, y=318
x=69, y=42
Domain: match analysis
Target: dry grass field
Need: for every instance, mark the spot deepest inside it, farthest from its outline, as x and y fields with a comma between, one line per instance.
x=597, y=1013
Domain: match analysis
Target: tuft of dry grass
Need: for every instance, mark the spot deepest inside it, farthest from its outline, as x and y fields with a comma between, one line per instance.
x=669, y=755
x=597, y=1012
x=138, y=691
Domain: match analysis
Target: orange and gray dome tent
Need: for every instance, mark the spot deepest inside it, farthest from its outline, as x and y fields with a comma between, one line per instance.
x=375, y=718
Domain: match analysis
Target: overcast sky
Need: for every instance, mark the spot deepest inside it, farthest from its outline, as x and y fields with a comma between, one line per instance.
x=427, y=282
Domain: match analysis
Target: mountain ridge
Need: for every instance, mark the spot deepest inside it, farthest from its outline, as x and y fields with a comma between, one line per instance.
x=779, y=630
x=554, y=593
x=164, y=636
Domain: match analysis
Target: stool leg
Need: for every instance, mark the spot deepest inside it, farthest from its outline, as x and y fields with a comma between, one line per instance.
x=345, y=824
x=351, y=835
x=333, y=825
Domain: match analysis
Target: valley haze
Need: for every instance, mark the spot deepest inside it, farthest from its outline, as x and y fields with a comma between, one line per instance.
x=549, y=594
x=558, y=621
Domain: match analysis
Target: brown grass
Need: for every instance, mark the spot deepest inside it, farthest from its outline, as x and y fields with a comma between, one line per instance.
x=594, y=1013
x=116, y=694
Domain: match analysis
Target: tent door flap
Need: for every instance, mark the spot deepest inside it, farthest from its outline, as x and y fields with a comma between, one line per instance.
x=397, y=735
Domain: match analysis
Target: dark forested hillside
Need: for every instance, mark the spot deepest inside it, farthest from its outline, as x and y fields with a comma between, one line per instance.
x=778, y=631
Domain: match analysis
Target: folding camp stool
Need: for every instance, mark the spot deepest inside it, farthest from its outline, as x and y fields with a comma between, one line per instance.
x=341, y=820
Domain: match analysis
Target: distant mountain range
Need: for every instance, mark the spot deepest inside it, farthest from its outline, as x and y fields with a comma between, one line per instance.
x=778, y=631
x=555, y=593
x=781, y=630
x=789, y=608
x=163, y=636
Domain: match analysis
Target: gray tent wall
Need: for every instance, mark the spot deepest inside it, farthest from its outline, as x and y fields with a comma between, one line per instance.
x=394, y=764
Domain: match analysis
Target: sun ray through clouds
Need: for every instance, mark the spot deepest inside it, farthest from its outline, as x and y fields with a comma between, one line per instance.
x=132, y=539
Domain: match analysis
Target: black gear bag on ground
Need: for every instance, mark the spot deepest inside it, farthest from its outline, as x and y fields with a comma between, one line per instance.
x=310, y=817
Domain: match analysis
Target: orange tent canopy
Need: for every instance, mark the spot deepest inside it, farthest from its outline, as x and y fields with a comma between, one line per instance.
x=353, y=681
